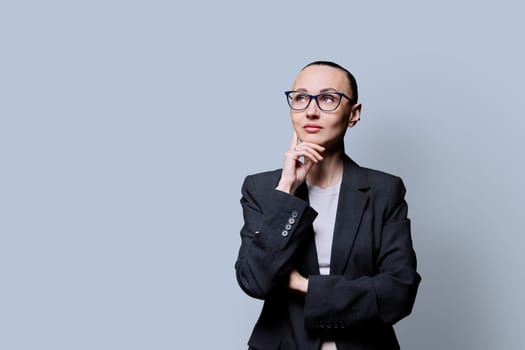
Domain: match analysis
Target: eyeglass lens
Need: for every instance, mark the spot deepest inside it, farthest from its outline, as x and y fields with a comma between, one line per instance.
x=326, y=101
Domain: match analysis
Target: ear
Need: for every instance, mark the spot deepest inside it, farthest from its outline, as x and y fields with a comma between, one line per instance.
x=355, y=115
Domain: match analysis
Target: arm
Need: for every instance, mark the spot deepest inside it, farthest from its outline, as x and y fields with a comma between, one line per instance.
x=274, y=227
x=388, y=296
x=272, y=232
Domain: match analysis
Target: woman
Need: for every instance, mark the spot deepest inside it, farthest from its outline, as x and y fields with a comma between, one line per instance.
x=326, y=243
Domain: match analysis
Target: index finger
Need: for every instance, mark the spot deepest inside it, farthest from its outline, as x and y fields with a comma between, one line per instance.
x=294, y=141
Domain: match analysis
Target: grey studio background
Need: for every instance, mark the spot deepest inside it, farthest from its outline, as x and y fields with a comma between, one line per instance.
x=127, y=127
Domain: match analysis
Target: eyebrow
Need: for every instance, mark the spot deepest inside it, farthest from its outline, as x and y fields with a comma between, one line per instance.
x=321, y=91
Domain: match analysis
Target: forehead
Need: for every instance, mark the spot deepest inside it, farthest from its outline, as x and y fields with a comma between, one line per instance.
x=316, y=78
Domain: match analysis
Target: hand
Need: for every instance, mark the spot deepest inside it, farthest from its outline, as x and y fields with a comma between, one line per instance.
x=294, y=171
x=297, y=282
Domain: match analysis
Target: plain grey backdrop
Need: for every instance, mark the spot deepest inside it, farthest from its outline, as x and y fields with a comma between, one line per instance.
x=127, y=127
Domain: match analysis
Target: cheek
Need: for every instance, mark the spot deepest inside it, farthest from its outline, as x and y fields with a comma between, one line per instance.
x=296, y=122
x=339, y=126
x=338, y=130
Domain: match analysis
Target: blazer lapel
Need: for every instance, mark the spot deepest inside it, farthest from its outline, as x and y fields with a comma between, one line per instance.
x=308, y=264
x=350, y=208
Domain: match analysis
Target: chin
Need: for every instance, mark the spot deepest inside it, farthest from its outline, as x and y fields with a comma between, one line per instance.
x=313, y=138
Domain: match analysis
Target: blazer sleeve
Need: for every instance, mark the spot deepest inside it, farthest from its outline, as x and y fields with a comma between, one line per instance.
x=337, y=301
x=274, y=225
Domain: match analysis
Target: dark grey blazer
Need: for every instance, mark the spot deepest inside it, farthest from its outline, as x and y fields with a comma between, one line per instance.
x=373, y=279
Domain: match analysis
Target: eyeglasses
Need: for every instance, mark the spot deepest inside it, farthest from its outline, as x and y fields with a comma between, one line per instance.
x=326, y=101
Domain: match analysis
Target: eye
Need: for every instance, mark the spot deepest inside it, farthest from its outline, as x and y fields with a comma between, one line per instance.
x=300, y=98
x=328, y=98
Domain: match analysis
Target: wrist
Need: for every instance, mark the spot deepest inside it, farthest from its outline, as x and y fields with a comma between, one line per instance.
x=285, y=186
x=305, y=285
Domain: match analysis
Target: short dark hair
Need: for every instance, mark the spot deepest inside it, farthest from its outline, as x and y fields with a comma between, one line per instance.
x=351, y=78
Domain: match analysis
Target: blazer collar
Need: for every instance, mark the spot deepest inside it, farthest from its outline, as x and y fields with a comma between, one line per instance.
x=350, y=208
x=351, y=205
x=354, y=178
x=308, y=261
x=353, y=175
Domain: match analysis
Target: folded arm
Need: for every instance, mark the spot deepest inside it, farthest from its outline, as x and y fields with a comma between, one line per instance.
x=275, y=223
x=334, y=301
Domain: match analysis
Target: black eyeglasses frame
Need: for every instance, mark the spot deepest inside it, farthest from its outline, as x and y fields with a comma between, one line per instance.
x=314, y=97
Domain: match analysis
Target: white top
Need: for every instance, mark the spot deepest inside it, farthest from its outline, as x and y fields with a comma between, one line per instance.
x=324, y=201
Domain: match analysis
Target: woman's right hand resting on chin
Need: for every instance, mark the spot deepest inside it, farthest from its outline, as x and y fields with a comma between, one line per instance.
x=294, y=171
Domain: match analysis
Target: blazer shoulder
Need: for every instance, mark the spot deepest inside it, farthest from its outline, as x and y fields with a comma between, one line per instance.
x=257, y=188
x=384, y=182
x=378, y=176
x=264, y=179
x=364, y=178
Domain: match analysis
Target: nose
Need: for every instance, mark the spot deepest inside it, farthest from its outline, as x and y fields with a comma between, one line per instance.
x=312, y=111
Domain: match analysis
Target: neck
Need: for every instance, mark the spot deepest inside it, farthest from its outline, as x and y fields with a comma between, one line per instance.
x=329, y=171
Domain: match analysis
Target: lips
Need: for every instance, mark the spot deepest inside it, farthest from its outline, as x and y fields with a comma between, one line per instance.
x=312, y=128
